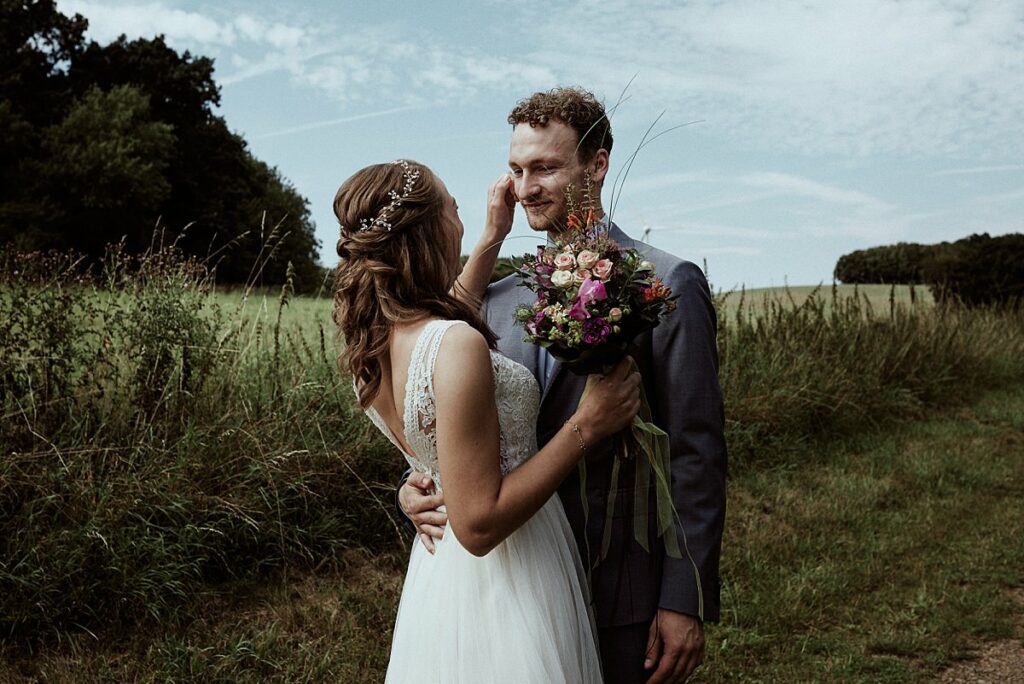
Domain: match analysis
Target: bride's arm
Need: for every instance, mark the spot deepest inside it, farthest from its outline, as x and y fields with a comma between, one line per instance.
x=483, y=506
x=476, y=274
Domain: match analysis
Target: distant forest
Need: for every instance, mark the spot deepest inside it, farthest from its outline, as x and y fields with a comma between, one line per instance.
x=119, y=142
x=976, y=270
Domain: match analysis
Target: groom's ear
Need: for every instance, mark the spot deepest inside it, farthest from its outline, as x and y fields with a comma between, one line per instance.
x=599, y=166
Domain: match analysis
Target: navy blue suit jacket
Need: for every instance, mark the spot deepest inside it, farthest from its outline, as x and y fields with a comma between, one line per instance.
x=679, y=364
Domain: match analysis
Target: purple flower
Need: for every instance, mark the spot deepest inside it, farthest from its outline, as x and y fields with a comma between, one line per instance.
x=596, y=330
x=592, y=291
x=579, y=310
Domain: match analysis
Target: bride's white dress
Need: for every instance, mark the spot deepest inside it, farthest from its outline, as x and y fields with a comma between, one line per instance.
x=518, y=614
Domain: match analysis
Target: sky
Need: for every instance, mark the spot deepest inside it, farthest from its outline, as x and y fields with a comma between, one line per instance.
x=813, y=128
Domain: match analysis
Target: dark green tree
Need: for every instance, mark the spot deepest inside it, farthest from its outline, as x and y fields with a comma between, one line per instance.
x=103, y=166
x=37, y=44
x=204, y=190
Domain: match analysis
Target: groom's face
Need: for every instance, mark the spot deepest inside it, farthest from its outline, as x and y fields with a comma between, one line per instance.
x=543, y=161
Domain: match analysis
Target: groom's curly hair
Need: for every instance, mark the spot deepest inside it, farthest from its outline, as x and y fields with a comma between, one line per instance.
x=573, y=106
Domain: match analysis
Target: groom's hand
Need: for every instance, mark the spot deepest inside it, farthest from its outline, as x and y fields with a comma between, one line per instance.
x=675, y=645
x=420, y=504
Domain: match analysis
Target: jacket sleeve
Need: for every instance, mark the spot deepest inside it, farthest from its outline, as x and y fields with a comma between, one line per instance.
x=688, y=405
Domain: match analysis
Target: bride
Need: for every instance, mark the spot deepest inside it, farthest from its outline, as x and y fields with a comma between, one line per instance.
x=502, y=596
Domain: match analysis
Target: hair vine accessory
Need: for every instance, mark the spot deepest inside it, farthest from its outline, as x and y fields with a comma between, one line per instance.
x=409, y=176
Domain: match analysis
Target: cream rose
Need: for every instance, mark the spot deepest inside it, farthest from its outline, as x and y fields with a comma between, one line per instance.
x=615, y=315
x=586, y=259
x=562, y=278
x=565, y=261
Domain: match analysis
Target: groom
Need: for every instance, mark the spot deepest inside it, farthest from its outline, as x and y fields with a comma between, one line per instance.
x=648, y=605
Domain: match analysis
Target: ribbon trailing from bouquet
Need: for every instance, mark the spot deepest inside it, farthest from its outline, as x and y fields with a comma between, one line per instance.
x=648, y=446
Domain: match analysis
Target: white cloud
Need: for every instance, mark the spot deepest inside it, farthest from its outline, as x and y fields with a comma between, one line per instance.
x=924, y=77
x=787, y=184
x=107, y=21
x=277, y=35
x=190, y=29
x=918, y=77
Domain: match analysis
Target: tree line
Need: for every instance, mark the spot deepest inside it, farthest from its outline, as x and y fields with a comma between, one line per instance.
x=120, y=143
x=976, y=270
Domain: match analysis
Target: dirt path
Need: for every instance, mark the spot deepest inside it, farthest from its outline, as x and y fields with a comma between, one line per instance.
x=1001, y=662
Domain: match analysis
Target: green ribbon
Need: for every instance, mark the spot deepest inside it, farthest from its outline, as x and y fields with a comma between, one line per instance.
x=648, y=446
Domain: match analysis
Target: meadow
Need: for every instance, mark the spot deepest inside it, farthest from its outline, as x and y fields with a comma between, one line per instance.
x=186, y=491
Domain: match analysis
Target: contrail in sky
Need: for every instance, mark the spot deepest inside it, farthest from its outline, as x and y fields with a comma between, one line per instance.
x=334, y=122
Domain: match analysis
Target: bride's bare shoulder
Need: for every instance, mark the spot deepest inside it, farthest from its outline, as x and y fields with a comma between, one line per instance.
x=463, y=356
x=463, y=340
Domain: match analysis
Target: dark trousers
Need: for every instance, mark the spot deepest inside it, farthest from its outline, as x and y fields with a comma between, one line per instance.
x=622, y=653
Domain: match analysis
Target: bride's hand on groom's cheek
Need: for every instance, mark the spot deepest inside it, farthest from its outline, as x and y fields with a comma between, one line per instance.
x=501, y=205
x=420, y=504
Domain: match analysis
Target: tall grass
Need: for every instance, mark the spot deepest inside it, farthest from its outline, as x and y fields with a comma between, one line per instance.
x=155, y=442
x=833, y=363
x=158, y=438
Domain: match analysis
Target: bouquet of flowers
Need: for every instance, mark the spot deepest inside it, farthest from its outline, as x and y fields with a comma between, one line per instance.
x=593, y=299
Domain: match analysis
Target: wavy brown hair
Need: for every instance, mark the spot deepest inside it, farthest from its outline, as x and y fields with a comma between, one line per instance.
x=392, y=274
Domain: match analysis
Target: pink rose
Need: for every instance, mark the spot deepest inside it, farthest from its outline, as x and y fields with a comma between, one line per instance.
x=615, y=314
x=582, y=274
x=565, y=261
x=586, y=259
x=603, y=269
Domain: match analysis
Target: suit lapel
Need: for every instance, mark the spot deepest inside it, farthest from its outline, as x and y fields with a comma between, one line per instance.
x=556, y=370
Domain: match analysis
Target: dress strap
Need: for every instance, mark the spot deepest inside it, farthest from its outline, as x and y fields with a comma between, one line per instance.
x=419, y=414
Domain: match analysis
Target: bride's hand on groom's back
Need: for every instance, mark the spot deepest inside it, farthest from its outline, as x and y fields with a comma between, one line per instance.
x=612, y=403
x=421, y=505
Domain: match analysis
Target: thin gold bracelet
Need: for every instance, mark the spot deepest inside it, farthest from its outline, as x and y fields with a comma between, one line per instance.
x=579, y=435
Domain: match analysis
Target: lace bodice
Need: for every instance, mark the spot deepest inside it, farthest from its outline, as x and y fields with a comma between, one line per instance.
x=515, y=392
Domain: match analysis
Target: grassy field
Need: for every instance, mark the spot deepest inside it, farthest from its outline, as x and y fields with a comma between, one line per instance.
x=305, y=313
x=880, y=558
x=186, y=491
x=878, y=297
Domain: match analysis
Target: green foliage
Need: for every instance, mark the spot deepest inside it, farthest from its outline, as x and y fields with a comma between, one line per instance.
x=160, y=439
x=902, y=263
x=503, y=268
x=833, y=364
x=107, y=154
x=881, y=556
x=161, y=154
x=156, y=443
x=979, y=271
x=878, y=557
x=975, y=271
